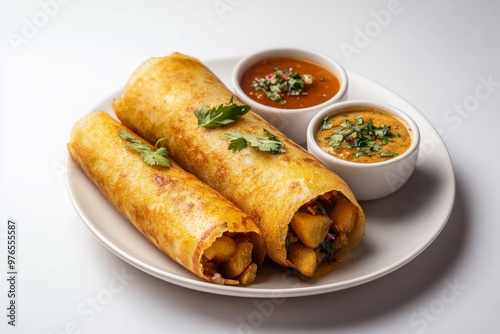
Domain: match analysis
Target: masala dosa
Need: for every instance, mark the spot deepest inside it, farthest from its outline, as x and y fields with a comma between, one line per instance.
x=182, y=216
x=159, y=100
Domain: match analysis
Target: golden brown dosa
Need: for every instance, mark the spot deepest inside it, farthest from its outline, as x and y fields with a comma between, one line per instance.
x=159, y=101
x=174, y=210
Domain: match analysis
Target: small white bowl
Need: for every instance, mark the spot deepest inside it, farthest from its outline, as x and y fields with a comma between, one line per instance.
x=292, y=122
x=375, y=180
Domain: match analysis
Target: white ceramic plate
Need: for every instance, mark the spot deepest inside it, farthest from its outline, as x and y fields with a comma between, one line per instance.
x=398, y=227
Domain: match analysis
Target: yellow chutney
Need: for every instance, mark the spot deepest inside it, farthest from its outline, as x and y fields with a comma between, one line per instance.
x=366, y=135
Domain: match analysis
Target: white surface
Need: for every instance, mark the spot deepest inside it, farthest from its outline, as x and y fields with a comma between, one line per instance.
x=411, y=230
x=439, y=55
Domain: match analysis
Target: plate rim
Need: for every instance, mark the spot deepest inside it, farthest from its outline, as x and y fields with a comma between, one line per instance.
x=195, y=283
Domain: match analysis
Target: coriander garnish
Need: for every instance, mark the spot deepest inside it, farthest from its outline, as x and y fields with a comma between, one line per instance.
x=220, y=116
x=328, y=246
x=282, y=83
x=239, y=141
x=363, y=136
x=326, y=124
x=156, y=156
x=288, y=245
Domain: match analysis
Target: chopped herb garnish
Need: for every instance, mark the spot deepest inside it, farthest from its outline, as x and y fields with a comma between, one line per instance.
x=335, y=140
x=156, y=156
x=387, y=154
x=288, y=245
x=271, y=143
x=326, y=207
x=328, y=246
x=220, y=116
x=326, y=124
x=280, y=83
x=363, y=136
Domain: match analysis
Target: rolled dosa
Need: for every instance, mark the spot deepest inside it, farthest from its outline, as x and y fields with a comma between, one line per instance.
x=159, y=100
x=182, y=216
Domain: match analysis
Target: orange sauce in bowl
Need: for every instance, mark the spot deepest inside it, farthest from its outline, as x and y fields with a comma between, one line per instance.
x=265, y=82
x=365, y=136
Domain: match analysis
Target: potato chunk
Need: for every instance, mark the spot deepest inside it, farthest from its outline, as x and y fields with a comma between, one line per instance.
x=248, y=275
x=310, y=229
x=304, y=259
x=239, y=261
x=344, y=215
x=221, y=250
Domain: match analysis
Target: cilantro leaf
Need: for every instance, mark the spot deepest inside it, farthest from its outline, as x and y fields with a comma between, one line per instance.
x=387, y=154
x=328, y=246
x=239, y=141
x=364, y=137
x=335, y=140
x=288, y=245
x=326, y=125
x=281, y=83
x=237, y=144
x=153, y=157
x=220, y=116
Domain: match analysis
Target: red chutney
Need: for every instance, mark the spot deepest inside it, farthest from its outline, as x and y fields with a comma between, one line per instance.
x=311, y=83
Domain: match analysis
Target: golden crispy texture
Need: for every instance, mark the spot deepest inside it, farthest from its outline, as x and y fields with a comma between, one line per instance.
x=174, y=210
x=159, y=101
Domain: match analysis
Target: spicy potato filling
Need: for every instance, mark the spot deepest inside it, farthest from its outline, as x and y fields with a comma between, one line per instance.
x=230, y=260
x=318, y=230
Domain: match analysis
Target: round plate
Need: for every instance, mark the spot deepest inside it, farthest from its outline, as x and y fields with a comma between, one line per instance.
x=396, y=231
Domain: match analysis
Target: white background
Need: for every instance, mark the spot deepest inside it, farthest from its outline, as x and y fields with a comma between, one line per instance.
x=59, y=59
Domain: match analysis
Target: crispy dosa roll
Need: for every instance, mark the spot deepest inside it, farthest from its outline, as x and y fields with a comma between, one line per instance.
x=308, y=215
x=182, y=216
